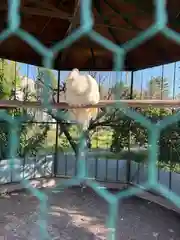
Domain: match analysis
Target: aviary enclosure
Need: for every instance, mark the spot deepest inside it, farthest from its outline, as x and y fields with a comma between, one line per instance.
x=130, y=171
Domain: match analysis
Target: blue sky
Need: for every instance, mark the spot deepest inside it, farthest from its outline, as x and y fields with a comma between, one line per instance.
x=141, y=78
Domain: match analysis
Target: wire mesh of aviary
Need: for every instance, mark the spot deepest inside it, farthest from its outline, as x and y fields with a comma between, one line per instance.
x=119, y=53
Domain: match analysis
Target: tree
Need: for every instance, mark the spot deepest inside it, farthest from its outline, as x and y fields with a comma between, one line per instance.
x=31, y=136
x=126, y=130
x=9, y=77
x=65, y=125
x=169, y=144
x=121, y=91
x=158, y=88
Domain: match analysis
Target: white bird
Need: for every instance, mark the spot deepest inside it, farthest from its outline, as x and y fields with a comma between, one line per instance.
x=82, y=90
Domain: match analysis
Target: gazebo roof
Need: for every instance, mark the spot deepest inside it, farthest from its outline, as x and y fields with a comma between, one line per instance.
x=51, y=21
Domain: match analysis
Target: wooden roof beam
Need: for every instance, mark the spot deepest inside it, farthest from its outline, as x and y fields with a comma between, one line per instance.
x=44, y=5
x=36, y=11
x=74, y=22
x=172, y=20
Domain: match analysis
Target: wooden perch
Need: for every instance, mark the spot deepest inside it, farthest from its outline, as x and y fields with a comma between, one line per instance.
x=104, y=103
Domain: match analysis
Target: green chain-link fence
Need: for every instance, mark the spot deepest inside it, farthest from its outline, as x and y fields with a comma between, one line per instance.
x=119, y=53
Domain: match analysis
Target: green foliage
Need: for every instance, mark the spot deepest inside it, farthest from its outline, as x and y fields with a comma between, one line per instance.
x=52, y=84
x=31, y=135
x=121, y=91
x=32, y=138
x=4, y=132
x=158, y=88
x=9, y=78
x=120, y=137
x=127, y=132
x=169, y=145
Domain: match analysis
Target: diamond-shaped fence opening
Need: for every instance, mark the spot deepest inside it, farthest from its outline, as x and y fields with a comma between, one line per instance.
x=149, y=172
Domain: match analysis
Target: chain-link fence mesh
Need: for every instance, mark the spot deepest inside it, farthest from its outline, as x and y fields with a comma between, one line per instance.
x=119, y=53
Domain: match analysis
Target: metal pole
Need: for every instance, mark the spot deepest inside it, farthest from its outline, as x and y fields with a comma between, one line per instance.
x=129, y=140
x=141, y=86
x=171, y=164
x=161, y=97
x=57, y=137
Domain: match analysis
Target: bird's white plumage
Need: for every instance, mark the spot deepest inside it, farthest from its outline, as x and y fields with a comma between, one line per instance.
x=82, y=90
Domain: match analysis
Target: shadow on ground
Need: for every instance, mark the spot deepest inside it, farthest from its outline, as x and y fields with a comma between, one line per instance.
x=82, y=215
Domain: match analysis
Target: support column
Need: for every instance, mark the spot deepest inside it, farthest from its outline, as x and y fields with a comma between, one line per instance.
x=128, y=173
x=57, y=132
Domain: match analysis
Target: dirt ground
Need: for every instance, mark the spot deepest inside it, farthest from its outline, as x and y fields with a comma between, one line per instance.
x=75, y=215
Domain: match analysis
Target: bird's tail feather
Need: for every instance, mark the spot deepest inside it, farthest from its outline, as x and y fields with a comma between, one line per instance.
x=83, y=116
